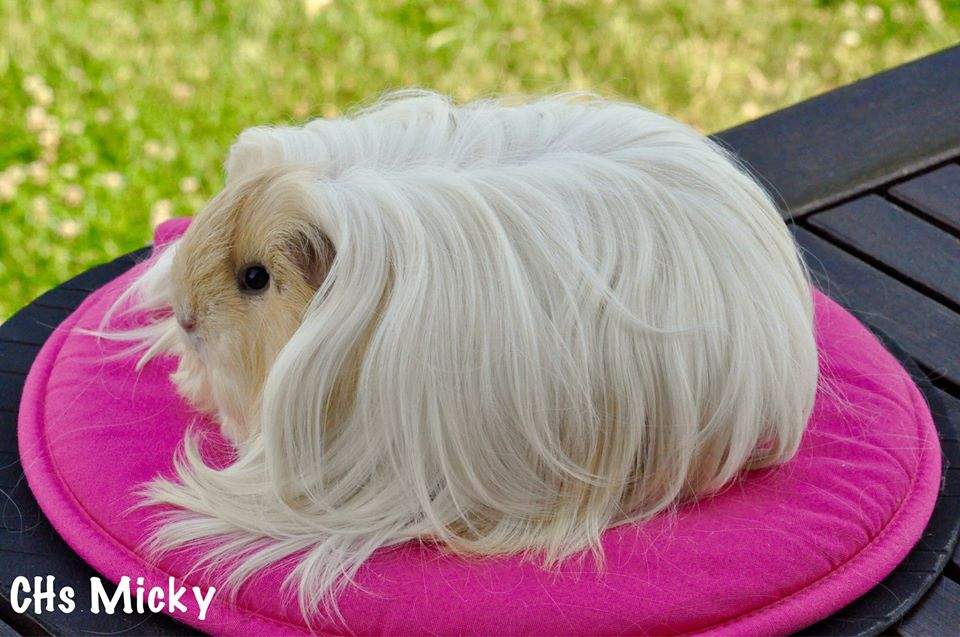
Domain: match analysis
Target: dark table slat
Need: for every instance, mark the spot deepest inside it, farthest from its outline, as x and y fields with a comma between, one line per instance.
x=11, y=386
x=890, y=597
x=924, y=328
x=947, y=411
x=936, y=193
x=23, y=527
x=945, y=520
x=17, y=357
x=938, y=613
x=918, y=250
x=10, y=472
x=8, y=431
x=858, y=137
x=943, y=524
x=61, y=298
x=33, y=324
x=22, y=624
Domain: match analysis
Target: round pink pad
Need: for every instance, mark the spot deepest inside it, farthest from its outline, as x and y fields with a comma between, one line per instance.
x=773, y=553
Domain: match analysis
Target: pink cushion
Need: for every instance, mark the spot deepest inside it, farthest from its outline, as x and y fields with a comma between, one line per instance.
x=777, y=551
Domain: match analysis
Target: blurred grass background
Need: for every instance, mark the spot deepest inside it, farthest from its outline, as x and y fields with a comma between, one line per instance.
x=117, y=115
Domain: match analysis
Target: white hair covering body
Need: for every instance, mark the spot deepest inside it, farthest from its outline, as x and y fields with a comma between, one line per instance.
x=556, y=317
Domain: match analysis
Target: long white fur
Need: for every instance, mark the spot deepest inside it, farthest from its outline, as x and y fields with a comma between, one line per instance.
x=577, y=313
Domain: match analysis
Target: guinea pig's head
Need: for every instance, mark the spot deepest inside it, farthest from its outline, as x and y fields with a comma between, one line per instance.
x=243, y=276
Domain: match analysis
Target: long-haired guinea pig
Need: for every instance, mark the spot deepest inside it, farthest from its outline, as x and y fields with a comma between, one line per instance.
x=502, y=328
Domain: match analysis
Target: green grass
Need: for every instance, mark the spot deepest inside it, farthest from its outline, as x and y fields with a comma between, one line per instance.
x=118, y=114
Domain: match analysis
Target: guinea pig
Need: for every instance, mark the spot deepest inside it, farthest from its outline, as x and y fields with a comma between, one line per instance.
x=497, y=327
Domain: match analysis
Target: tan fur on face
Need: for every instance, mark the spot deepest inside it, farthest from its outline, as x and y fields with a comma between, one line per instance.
x=238, y=334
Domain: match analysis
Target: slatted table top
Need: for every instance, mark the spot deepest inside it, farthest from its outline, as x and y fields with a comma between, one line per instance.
x=869, y=181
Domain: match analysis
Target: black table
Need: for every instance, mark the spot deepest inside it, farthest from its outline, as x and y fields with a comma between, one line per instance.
x=869, y=182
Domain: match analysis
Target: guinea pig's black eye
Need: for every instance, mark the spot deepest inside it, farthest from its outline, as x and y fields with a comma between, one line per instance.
x=254, y=278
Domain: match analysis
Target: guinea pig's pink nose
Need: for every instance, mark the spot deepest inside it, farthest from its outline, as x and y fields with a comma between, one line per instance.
x=187, y=324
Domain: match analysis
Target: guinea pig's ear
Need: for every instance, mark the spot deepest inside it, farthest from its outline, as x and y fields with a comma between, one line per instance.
x=255, y=149
x=312, y=252
x=262, y=147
